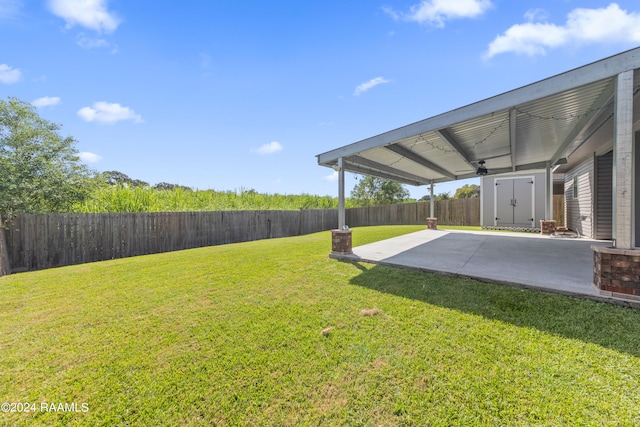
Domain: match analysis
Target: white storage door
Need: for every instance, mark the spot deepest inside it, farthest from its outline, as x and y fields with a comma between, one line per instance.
x=514, y=202
x=504, y=202
x=523, y=202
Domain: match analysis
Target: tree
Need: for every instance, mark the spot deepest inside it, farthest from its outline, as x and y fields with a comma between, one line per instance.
x=371, y=191
x=40, y=171
x=119, y=178
x=467, y=191
x=442, y=196
x=169, y=186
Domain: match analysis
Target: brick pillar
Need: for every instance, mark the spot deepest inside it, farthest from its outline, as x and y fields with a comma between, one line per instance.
x=341, y=242
x=432, y=223
x=616, y=272
x=547, y=226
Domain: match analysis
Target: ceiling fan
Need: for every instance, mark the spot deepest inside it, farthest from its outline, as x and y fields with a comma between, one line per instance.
x=481, y=169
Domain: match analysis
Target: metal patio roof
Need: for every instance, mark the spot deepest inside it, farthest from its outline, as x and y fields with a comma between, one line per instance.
x=527, y=128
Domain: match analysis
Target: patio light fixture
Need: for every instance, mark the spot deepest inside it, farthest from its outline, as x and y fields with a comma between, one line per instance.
x=482, y=171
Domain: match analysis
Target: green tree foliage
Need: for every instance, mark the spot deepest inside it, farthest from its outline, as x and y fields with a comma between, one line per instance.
x=39, y=170
x=464, y=192
x=467, y=191
x=442, y=196
x=120, y=178
x=436, y=197
x=170, y=187
x=371, y=191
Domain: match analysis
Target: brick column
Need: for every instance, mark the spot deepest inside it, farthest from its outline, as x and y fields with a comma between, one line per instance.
x=341, y=242
x=432, y=223
x=616, y=272
x=547, y=226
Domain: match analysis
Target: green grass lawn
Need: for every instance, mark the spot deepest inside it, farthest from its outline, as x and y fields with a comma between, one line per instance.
x=231, y=335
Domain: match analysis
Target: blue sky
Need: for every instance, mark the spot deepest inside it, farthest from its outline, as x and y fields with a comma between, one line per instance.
x=229, y=95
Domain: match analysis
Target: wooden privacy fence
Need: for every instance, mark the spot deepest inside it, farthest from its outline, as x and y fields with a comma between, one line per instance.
x=43, y=241
x=458, y=211
x=558, y=209
x=449, y=212
x=409, y=213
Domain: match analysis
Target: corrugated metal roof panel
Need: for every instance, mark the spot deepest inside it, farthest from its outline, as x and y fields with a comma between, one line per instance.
x=545, y=124
x=552, y=118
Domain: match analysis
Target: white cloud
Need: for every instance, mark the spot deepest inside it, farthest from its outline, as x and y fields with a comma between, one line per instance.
x=95, y=43
x=106, y=112
x=88, y=157
x=331, y=177
x=370, y=84
x=530, y=38
x=46, y=101
x=436, y=12
x=90, y=43
x=270, y=148
x=9, y=75
x=536, y=15
x=91, y=14
x=610, y=24
x=583, y=26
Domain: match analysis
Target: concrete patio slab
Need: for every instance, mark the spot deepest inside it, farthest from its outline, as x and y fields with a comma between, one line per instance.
x=559, y=265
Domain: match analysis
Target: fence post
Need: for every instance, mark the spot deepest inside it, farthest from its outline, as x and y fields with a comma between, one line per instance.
x=5, y=268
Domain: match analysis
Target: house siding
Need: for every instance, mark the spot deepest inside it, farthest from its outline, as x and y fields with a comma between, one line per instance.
x=636, y=168
x=579, y=210
x=604, y=197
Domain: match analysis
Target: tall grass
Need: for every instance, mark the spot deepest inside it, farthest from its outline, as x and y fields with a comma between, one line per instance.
x=144, y=199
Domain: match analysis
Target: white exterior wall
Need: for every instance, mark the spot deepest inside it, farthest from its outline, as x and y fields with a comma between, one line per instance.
x=579, y=210
x=603, y=209
x=636, y=168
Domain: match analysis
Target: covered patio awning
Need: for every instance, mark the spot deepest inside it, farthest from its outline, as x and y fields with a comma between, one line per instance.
x=545, y=124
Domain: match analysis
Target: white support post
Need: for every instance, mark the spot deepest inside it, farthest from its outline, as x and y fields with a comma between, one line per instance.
x=548, y=208
x=341, y=212
x=432, y=209
x=512, y=137
x=623, y=163
x=482, y=193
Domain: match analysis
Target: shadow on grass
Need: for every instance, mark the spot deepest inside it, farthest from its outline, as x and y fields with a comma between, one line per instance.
x=605, y=324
